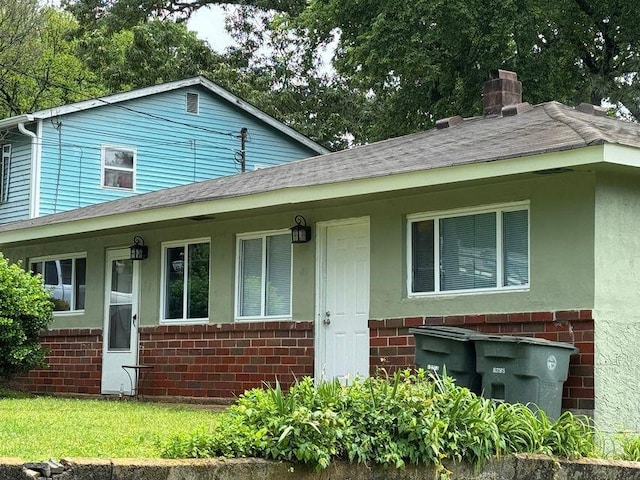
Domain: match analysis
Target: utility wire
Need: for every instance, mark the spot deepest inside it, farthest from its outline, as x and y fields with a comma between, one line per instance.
x=114, y=104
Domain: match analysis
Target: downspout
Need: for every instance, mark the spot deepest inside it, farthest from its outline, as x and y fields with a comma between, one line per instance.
x=35, y=166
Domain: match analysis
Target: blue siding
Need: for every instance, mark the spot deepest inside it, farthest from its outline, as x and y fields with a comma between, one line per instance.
x=183, y=149
x=17, y=205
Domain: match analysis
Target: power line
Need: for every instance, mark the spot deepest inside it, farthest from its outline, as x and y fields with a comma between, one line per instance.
x=114, y=104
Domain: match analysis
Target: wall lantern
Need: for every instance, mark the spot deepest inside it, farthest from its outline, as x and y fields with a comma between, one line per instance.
x=300, y=232
x=139, y=251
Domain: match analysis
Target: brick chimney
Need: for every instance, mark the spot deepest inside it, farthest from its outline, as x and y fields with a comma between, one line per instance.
x=502, y=90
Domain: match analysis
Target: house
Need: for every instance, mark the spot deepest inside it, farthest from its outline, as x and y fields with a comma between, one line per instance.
x=136, y=142
x=521, y=222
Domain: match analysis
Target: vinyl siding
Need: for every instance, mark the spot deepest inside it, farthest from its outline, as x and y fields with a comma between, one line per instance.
x=183, y=149
x=17, y=205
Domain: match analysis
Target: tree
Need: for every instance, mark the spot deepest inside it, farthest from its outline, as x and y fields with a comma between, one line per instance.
x=147, y=54
x=400, y=65
x=25, y=309
x=49, y=73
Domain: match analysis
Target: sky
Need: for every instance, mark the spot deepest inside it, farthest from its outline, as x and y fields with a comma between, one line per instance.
x=208, y=23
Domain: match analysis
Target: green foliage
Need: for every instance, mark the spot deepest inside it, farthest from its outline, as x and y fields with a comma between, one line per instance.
x=630, y=445
x=47, y=71
x=25, y=309
x=92, y=428
x=406, y=419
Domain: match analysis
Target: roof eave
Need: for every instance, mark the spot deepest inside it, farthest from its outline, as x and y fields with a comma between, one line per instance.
x=302, y=194
x=15, y=121
x=166, y=87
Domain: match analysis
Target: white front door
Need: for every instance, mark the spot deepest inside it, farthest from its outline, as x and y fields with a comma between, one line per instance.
x=342, y=330
x=120, y=334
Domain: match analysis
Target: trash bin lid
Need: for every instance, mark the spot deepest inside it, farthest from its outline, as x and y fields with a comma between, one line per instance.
x=454, y=333
x=527, y=340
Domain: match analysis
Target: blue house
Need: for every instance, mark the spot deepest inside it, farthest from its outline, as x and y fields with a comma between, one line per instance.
x=136, y=142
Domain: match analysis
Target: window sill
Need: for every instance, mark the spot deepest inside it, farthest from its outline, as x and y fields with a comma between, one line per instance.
x=262, y=319
x=180, y=321
x=458, y=293
x=67, y=313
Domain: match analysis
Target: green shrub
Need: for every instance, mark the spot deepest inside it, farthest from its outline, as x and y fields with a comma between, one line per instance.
x=25, y=309
x=406, y=419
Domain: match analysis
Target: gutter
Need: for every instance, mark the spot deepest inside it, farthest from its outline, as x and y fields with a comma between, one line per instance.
x=35, y=174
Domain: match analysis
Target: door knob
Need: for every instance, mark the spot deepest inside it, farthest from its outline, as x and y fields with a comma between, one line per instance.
x=327, y=317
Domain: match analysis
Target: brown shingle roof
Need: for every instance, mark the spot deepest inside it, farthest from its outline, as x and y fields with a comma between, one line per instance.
x=548, y=127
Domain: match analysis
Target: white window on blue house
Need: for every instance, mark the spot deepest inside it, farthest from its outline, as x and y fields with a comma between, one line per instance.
x=263, y=275
x=473, y=250
x=118, y=167
x=185, y=274
x=65, y=278
x=5, y=173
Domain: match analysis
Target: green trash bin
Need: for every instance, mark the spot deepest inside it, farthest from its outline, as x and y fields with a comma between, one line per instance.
x=523, y=370
x=448, y=349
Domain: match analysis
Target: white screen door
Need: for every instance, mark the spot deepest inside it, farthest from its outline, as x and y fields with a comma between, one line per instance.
x=342, y=347
x=120, y=334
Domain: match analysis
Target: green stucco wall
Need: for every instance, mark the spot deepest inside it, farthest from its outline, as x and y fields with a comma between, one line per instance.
x=616, y=313
x=561, y=237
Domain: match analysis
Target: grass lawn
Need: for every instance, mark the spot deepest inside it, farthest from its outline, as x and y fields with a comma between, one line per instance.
x=35, y=429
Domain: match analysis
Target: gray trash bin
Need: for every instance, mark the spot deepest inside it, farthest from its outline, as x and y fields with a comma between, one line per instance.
x=449, y=349
x=524, y=370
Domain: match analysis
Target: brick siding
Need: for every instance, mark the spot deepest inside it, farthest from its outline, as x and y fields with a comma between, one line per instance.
x=392, y=346
x=220, y=361
x=75, y=363
x=226, y=359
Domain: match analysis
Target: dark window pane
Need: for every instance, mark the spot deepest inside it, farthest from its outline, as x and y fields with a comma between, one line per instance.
x=119, y=327
x=515, y=232
x=81, y=282
x=251, y=277
x=198, y=281
x=278, y=293
x=422, y=256
x=468, y=252
x=174, y=283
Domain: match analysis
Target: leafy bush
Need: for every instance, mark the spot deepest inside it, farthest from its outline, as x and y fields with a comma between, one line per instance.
x=407, y=419
x=25, y=309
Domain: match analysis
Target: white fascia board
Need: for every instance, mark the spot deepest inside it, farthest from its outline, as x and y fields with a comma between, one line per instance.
x=12, y=122
x=190, y=82
x=116, y=98
x=302, y=194
x=624, y=155
x=268, y=119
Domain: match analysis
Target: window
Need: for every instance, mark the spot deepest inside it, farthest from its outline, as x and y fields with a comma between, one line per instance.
x=118, y=165
x=5, y=171
x=65, y=278
x=480, y=250
x=186, y=281
x=193, y=103
x=264, y=275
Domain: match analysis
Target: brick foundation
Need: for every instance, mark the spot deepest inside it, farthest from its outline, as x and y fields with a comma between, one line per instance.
x=392, y=346
x=75, y=363
x=220, y=361
x=224, y=360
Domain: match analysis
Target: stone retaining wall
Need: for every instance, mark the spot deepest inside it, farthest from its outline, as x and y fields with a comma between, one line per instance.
x=517, y=467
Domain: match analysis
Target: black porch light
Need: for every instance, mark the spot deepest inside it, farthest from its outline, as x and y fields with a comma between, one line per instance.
x=300, y=232
x=138, y=251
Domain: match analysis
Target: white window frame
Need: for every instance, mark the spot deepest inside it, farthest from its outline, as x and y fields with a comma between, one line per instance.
x=186, y=100
x=252, y=236
x=5, y=172
x=163, y=291
x=104, y=166
x=436, y=216
x=73, y=257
